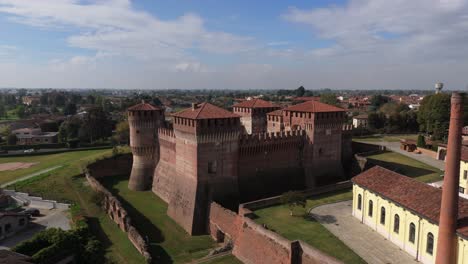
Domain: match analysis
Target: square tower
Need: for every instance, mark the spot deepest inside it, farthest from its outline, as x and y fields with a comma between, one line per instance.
x=254, y=114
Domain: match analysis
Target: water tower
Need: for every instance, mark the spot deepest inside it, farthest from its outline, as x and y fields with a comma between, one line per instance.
x=438, y=87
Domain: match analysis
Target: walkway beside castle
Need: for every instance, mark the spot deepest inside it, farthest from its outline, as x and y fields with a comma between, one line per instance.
x=368, y=244
x=395, y=147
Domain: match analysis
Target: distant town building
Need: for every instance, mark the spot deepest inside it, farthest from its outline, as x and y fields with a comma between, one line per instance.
x=32, y=136
x=31, y=100
x=361, y=121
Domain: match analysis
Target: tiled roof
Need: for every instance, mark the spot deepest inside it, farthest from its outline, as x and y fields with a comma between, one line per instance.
x=314, y=107
x=363, y=116
x=276, y=113
x=464, y=153
x=307, y=98
x=205, y=111
x=143, y=107
x=254, y=103
x=416, y=196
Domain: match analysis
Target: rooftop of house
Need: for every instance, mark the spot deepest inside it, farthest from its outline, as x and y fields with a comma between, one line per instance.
x=205, y=111
x=418, y=197
x=255, y=103
x=313, y=107
x=307, y=98
x=143, y=106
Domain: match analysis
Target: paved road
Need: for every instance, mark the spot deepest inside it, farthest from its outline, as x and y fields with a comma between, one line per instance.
x=30, y=176
x=49, y=218
x=395, y=147
x=368, y=244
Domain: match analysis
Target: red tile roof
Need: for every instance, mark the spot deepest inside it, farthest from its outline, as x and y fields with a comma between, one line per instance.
x=464, y=153
x=307, y=98
x=276, y=113
x=314, y=107
x=254, y=103
x=415, y=196
x=143, y=107
x=205, y=111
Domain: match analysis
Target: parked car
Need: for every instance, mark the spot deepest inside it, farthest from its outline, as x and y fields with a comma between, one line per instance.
x=29, y=151
x=32, y=212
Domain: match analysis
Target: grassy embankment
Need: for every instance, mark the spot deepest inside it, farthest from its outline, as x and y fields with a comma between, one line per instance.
x=67, y=184
x=169, y=243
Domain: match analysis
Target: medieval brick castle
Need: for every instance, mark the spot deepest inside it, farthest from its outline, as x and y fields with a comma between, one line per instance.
x=210, y=154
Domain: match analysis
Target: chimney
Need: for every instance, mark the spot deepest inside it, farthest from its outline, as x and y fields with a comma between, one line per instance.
x=194, y=106
x=447, y=240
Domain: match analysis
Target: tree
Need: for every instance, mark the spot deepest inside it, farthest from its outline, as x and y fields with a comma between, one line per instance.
x=377, y=101
x=70, y=109
x=96, y=125
x=421, y=143
x=21, y=111
x=434, y=115
x=69, y=129
x=2, y=110
x=376, y=120
x=329, y=98
x=300, y=91
x=12, y=139
x=122, y=133
x=293, y=199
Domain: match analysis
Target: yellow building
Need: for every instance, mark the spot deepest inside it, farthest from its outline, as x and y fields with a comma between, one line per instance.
x=405, y=212
x=463, y=188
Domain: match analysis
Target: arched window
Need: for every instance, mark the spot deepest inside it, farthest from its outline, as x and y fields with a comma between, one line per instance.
x=371, y=208
x=430, y=243
x=359, y=202
x=382, y=215
x=396, y=224
x=412, y=233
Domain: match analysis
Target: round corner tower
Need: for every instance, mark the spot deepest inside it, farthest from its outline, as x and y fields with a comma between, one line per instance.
x=144, y=120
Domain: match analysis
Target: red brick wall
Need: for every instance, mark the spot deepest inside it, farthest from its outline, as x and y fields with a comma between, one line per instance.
x=270, y=164
x=254, y=244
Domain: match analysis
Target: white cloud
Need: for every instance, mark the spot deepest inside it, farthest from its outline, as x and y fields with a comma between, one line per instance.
x=416, y=30
x=114, y=27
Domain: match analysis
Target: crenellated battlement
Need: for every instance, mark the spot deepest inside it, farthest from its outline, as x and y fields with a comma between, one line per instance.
x=347, y=128
x=166, y=132
x=255, y=143
x=218, y=136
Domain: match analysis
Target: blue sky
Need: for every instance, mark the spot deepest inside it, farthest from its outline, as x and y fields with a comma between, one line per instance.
x=147, y=44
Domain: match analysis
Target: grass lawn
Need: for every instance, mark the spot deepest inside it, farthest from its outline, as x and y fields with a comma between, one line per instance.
x=299, y=226
x=387, y=138
x=229, y=259
x=11, y=115
x=67, y=184
x=169, y=242
x=406, y=166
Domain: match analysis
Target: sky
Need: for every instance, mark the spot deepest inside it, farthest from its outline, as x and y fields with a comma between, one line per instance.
x=212, y=44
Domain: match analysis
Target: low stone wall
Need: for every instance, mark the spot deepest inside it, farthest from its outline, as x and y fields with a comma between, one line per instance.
x=112, y=206
x=252, y=243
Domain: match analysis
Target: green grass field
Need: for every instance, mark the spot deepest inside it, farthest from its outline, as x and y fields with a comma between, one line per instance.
x=302, y=227
x=67, y=184
x=169, y=242
x=406, y=166
x=387, y=138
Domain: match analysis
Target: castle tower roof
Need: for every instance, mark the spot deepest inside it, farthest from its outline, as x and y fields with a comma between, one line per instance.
x=205, y=111
x=255, y=103
x=143, y=106
x=313, y=107
x=276, y=113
